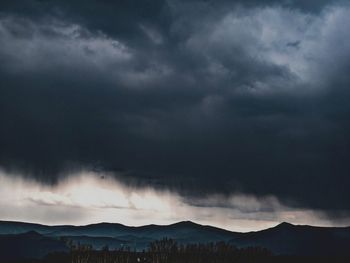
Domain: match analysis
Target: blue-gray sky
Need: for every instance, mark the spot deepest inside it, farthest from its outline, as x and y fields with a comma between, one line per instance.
x=200, y=98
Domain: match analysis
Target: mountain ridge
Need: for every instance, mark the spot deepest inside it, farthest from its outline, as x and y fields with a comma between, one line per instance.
x=179, y=223
x=282, y=239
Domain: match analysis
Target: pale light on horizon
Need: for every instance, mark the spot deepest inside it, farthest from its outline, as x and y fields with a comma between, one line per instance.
x=86, y=198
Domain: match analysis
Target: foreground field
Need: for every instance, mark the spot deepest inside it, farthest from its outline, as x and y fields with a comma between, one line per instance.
x=168, y=251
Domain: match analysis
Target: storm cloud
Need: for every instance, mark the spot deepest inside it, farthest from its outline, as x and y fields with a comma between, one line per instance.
x=198, y=97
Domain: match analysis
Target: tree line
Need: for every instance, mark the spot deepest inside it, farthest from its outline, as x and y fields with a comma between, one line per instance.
x=169, y=251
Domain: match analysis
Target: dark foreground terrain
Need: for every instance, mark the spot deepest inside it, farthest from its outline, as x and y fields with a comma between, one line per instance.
x=169, y=251
x=177, y=243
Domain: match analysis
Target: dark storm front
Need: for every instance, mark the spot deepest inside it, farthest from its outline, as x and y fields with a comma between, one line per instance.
x=211, y=96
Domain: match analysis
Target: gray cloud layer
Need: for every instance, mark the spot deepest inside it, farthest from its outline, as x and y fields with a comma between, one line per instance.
x=70, y=202
x=196, y=96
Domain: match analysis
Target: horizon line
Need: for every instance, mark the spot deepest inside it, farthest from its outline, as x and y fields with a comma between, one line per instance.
x=175, y=223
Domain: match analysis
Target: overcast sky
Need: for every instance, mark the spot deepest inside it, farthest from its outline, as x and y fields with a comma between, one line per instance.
x=231, y=113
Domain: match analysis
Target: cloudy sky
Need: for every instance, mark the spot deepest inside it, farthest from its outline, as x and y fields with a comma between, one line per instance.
x=229, y=113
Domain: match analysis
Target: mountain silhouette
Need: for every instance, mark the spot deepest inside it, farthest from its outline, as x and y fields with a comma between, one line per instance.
x=289, y=239
x=283, y=239
x=28, y=245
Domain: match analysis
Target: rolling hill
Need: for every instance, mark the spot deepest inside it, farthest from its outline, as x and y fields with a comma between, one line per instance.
x=283, y=239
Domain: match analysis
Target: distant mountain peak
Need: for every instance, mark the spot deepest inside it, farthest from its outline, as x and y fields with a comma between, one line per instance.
x=186, y=223
x=285, y=225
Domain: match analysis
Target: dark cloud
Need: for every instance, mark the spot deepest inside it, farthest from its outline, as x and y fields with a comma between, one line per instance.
x=199, y=96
